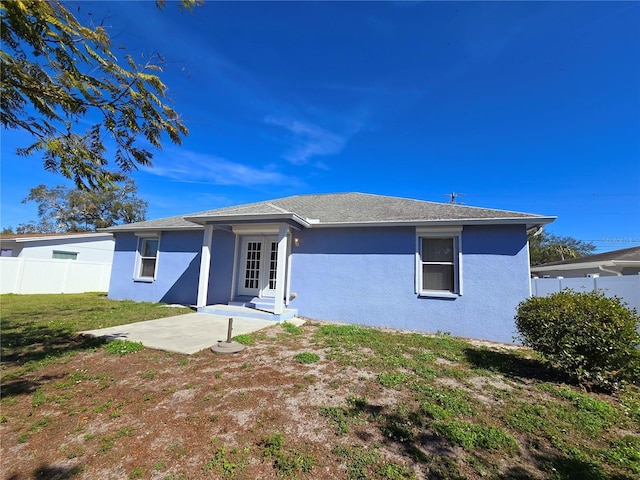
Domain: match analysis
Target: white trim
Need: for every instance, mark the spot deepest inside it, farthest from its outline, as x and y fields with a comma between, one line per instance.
x=534, y=221
x=205, y=266
x=456, y=235
x=424, y=231
x=281, y=269
x=287, y=285
x=583, y=265
x=236, y=254
x=256, y=229
x=45, y=238
x=138, y=263
x=251, y=217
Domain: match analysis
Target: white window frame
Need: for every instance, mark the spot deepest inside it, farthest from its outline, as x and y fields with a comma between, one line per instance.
x=137, y=269
x=454, y=233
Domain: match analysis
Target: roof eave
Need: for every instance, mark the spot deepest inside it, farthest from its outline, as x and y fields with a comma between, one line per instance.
x=243, y=218
x=530, y=222
x=150, y=228
x=55, y=237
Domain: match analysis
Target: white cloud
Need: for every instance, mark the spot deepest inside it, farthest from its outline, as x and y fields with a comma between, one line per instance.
x=193, y=167
x=307, y=140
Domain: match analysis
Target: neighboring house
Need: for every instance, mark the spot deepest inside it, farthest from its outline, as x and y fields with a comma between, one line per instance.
x=55, y=262
x=616, y=274
x=614, y=263
x=348, y=257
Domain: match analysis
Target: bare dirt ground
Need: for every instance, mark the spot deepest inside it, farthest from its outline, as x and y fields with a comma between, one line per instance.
x=159, y=415
x=257, y=414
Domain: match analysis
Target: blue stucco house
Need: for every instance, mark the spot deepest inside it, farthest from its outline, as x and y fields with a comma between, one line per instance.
x=347, y=257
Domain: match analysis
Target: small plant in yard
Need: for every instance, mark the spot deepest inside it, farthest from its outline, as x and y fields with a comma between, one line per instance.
x=223, y=464
x=306, y=357
x=588, y=336
x=136, y=473
x=244, y=339
x=392, y=380
x=287, y=463
x=291, y=328
x=123, y=347
x=470, y=436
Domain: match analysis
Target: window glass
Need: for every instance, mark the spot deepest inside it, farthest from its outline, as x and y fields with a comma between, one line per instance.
x=437, y=277
x=148, y=267
x=6, y=252
x=149, y=247
x=437, y=249
x=148, y=257
x=65, y=255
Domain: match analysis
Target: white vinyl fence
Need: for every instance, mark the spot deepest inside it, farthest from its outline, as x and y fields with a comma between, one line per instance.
x=626, y=287
x=34, y=275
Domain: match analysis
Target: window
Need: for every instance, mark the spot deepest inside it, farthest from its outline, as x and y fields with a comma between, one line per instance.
x=147, y=258
x=6, y=252
x=59, y=254
x=438, y=264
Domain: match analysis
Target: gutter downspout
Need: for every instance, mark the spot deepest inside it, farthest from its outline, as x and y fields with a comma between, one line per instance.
x=615, y=272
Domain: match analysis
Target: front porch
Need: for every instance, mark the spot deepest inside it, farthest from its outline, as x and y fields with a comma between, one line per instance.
x=259, y=281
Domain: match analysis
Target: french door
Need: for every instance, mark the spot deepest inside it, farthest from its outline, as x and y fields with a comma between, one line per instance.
x=258, y=266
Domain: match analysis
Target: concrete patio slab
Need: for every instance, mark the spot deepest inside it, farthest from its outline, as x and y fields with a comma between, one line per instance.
x=188, y=333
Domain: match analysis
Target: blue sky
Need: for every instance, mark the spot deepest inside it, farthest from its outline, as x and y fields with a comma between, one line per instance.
x=531, y=107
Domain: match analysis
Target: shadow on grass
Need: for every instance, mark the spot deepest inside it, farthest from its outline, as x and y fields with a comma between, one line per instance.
x=407, y=431
x=512, y=365
x=13, y=388
x=564, y=468
x=51, y=472
x=36, y=343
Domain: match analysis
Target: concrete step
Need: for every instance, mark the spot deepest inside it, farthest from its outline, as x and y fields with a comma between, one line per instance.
x=248, y=312
x=267, y=304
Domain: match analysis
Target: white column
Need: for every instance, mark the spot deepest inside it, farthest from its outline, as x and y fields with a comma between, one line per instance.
x=281, y=269
x=205, y=265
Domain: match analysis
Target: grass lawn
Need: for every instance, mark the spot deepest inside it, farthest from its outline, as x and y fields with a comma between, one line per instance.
x=321, y=401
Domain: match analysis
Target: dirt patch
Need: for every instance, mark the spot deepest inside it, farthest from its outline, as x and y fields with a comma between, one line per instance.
x=259, y=413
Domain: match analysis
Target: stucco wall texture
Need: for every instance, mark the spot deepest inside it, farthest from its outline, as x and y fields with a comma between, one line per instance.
x=367, y=276
x=354, y=275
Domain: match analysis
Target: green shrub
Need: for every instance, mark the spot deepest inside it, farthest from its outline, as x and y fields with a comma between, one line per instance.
x=586, y=335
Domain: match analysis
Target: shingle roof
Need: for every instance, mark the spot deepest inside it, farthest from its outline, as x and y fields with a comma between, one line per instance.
x=344, y=208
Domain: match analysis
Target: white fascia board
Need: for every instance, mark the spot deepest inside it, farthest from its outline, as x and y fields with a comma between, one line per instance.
x=256, y=228
x=155, y=229
x=260, y=217
x=528, y=221
x=573, y=266
x=101, y=236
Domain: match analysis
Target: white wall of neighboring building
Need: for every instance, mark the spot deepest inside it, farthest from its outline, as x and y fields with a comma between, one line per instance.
x=95, y=248
x=32, y=267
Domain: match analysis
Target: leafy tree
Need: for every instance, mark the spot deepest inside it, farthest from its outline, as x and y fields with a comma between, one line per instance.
x=57, y=74
x=547, y=247
x=61, y=209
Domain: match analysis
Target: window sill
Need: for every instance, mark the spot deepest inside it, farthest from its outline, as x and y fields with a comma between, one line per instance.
x=435, y=294
x=144, y=280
